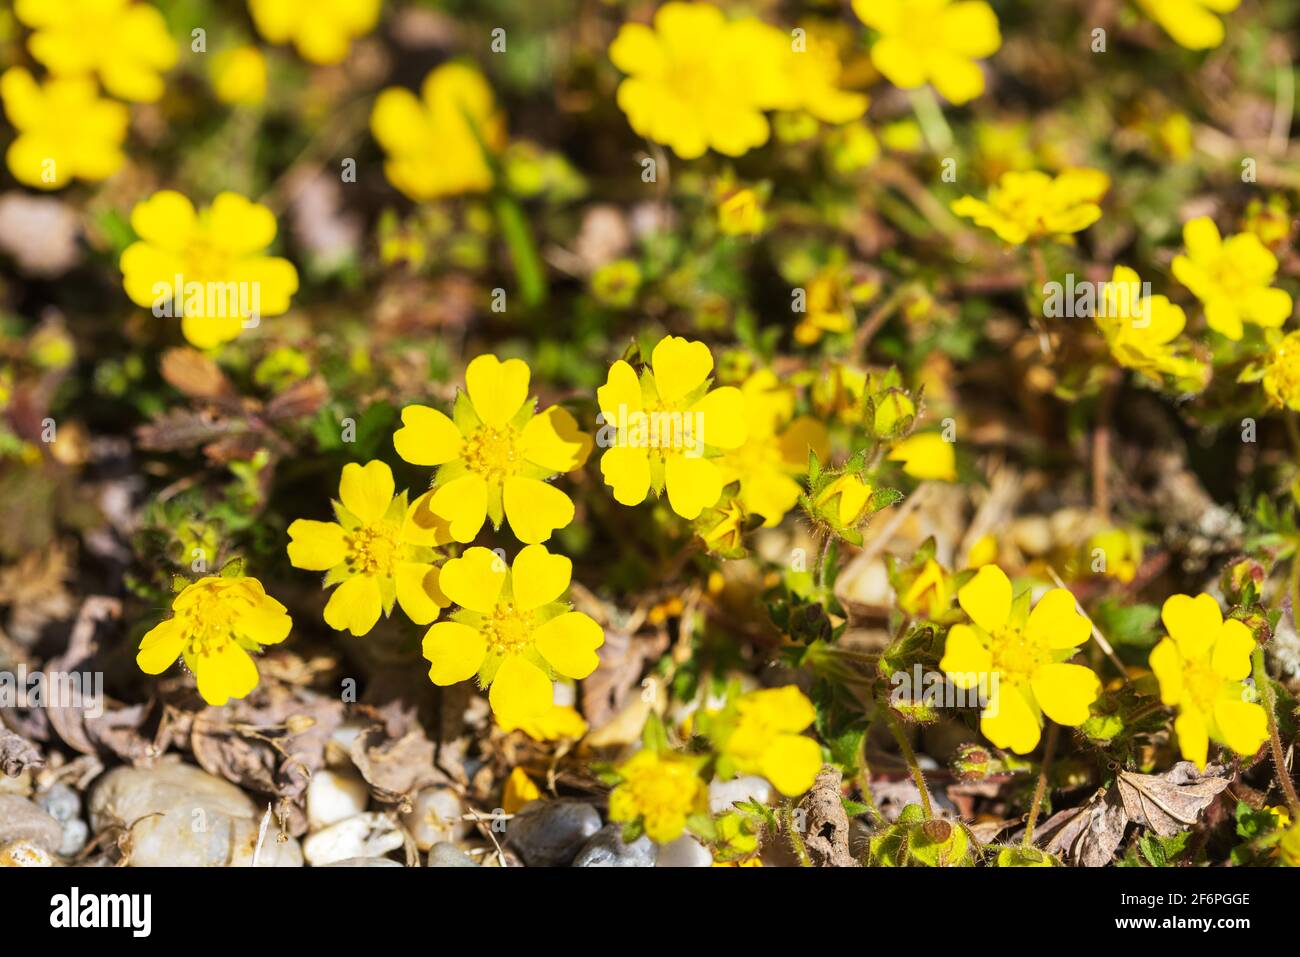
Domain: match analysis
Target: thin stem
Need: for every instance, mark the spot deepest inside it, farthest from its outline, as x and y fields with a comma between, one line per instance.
x=910, y=757
x=796, y=839
x=523, y=251
x=1265, y=687
x=822, y=551
x=864, y=782
x=929, y=115
x=1049, y=748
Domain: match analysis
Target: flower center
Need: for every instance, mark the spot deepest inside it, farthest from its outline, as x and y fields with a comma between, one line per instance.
x=493, y=453
x=508, y=631
x=1015, y=657
x=372, y=549
x=211, y=621
x=1203, y=685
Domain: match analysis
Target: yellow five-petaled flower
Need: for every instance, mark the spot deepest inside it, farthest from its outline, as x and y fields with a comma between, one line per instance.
x=1019, y=661
x=663, y=429
x=512, y=630
x=661, y=791
x=377, y=553
x=1201, y=668
x=495, y=454
x=1232, y=277
x=217, y=622
x=1032, y=205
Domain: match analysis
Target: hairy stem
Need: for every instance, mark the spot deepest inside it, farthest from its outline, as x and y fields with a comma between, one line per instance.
x=1049, y=748
x=909, y=756
x=1265, y=687
x=796, y=839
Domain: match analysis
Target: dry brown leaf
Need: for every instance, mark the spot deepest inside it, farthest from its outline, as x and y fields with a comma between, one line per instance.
x=1170, y=802
x=196, y=375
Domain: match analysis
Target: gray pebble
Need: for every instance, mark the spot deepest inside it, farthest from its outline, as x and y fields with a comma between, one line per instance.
x=60, y=802
x=607, y=849
x=550, y=833
x=364, y=862
x=443, y=854
x=21, y=820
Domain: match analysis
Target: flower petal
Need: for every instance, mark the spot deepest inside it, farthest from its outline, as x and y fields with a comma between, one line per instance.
x=366, y=491
x=427, y=437
x=791, y=763
x=1193, y=623
x=497, y=388
x=1167, y=665
x=418, y=592
x=722, y=420
x=520, y=691
x=694, y=484
x=553, y=440
x=987, y=598
x=1056, y=621
x=680, y=366
x=1009, y=721
x=315, y=546
x=160, y=647
x=535, y=508
x=1231, y=655
x=627, y=472
x=1193, y=736
x=474, y=580
x=455, y=652
x=463, y=503
x=355, y=605
x=538, y=577
x=965, y=659
x=1243, y=725
x=569, y=642
x=1065, y=691
x=228, y=672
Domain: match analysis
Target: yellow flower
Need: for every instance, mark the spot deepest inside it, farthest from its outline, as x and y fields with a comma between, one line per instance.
x=126, y=44
x=813, y=77
x=698, y=81
x=659, y=790
x=239, y=75
x=1192, y=23
x=65, y=131
x=932, y=41
x=765, y=737
x=494, y=455
x=1120, y=551
x=926, y=455
x=828, y=309
x=1289, y=847
x=209, y=266
x=1280, y=373
x=435, y=144
x=519, y=791
x=511, y=630
x=322, y=30
x=1031, y=205
x=1020, y=662
x=1140, y=330
x=930, y=592
x=845, y=501
x=217, y=622
x=660, y=430
x=1201, y=669
x=1232, y=278
x=557, y=722
x=740, y=213
x=775, y=450
x=378, y=552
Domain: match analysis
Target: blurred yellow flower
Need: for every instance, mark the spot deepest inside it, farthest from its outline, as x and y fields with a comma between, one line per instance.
x=217, y=621
x=1115, y=553
x=1279, y=372
x=1232, y=278
x=845, y=501
x=125, y=44
x=512, y=630
x=932, y=41
x=239, y=75
x=697, y=81
x=435, y=144
x=557, y=722
x=926, y=455
x=1201, y=668
x=1019, y=662
x=661, y=791
x=1032, y=205
x=520, y=790
x=813, y=78
x=659, y=430
x=1192, y=23
x=321, y=30
x=930, y=593
x=1140, y=330
x=65, y=131
x=765, y=736
x=740, y=213
x=209, y=267
x=377, y=553
x=495, y=454
x=775, y=450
